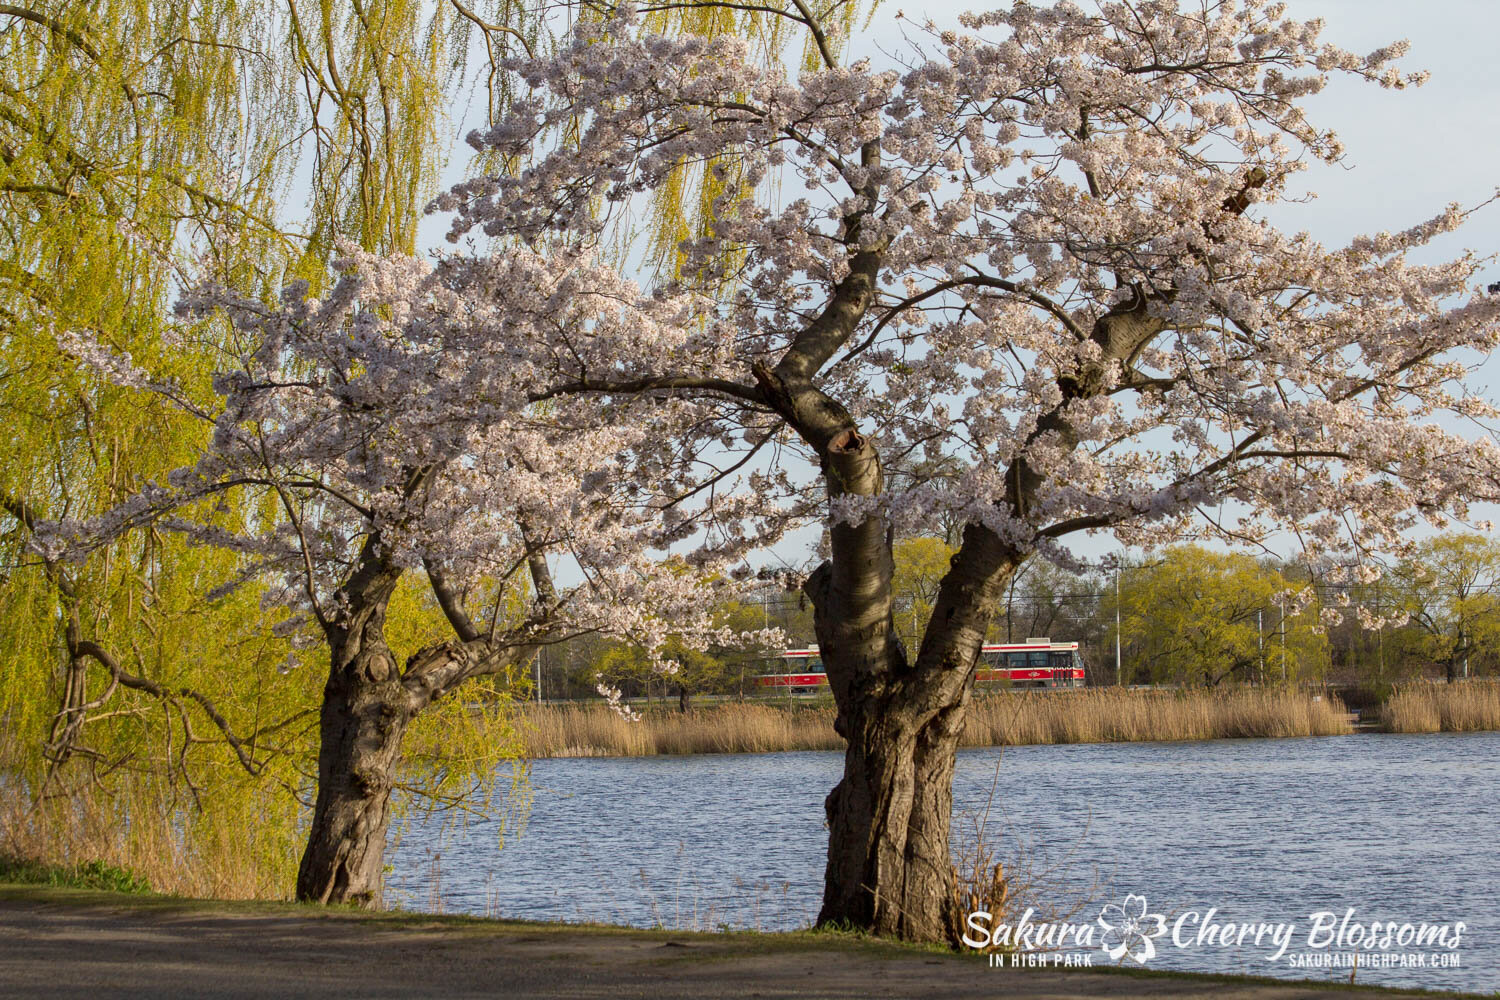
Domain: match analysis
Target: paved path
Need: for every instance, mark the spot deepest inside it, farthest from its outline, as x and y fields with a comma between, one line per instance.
x=59, y=943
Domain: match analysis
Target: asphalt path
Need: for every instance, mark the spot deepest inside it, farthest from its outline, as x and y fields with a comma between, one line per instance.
x=92, y=946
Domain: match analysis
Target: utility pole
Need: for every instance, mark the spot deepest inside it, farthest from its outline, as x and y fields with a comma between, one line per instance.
x=1283, y=644
x=1380, y=633
x=1463, y=642
x=1260, y=643
x=1117, y=624
x=536, y=664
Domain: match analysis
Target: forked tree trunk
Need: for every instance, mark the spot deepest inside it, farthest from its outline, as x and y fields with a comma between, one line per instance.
x=364, y=717
x=368, y=703
x=890, y=869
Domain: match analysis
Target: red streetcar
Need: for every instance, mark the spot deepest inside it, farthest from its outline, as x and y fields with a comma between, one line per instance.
x=804, y=671
x=1033, y=663
x=1036, y=663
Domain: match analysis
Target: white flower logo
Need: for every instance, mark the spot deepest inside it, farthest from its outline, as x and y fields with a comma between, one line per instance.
x=1128, y=929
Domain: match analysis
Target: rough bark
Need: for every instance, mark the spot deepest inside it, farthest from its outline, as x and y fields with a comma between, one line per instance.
x=368, y=703
x=364, y=715
x=889, y=818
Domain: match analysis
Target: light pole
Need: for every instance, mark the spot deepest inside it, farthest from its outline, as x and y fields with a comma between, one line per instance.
x=1283, y=644
x=1260, y=643
x=1117, y=624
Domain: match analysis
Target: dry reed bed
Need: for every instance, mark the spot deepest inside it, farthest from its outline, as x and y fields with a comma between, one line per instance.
x=593, y=730
x=1104, y=715
x=145, y=832
x=1111, y=715
x=1464, y=707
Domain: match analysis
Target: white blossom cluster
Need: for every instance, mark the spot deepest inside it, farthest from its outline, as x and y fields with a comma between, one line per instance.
x=406, y=409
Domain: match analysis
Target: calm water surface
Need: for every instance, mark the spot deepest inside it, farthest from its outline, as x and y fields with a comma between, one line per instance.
x=1397, y=827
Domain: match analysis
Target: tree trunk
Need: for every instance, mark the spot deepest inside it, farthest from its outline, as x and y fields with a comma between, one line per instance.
x=889, y=868
x=889, y=864
x=364, y=716
x=684, y=698
x=368, y=703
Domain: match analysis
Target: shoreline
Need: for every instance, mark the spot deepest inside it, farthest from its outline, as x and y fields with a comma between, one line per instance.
x=1021, y=718
x=575, y=753
x=104, y=945
x=1017, y=718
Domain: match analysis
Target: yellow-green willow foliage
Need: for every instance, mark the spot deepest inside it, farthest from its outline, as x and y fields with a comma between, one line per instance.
x=379, y=77
x=120, y=159
x=684, y=207
x=146, y=145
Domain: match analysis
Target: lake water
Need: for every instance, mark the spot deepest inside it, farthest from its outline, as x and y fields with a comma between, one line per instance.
x=1399, y=828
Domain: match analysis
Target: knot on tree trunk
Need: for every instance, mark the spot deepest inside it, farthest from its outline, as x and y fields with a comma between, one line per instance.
x=847, y=442
x=377, y=667
x=817, y=583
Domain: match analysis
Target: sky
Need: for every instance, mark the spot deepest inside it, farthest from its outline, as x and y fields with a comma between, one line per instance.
x=1408, y=153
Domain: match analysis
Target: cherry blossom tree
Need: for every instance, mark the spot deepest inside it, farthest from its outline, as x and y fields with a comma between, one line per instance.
x=1035, y=247
x=395, y=426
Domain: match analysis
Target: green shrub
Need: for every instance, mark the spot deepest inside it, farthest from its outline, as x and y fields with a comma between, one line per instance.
x=89, y=875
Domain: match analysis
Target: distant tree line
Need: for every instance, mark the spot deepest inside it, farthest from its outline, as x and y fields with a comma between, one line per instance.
x=1187, y=615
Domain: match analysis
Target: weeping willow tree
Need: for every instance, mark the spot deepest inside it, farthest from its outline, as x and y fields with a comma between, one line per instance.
x=151, y=716
x=125, y=163
x=146, y=146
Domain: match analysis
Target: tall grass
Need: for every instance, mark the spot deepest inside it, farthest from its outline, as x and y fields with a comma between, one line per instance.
x=146, y=830
x=593, y=730
x=1114, y=715
x=1464, y=707
x=1102, y=715
x=997, y=871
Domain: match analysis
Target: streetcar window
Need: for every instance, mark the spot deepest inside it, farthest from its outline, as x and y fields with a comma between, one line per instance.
x=1040, y=659
x=1015, y=659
